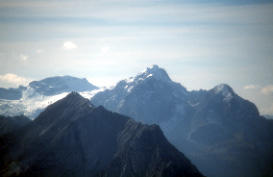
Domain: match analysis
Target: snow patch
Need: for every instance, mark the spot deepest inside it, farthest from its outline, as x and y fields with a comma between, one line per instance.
x=130, y=89
x=225, y=91
x=32, y=103
x=150, y=75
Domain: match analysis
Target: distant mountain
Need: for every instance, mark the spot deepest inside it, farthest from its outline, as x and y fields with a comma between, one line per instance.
x=31, y=100
x=222, y=133
x=152, y=87
x=74, y=138
x=48, y=87
x=12, y=93
x=10, y=124
x=231, y=132
x=59, y=84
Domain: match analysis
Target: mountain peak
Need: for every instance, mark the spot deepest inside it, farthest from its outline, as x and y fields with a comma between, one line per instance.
x=156, y=72
x=224, y=89
x=70, y=107
x=155, y=67
x=74, y=95
x=75, y=98
x=151, y=72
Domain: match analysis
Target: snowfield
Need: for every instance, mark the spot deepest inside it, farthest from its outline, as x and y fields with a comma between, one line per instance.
x=32, y=103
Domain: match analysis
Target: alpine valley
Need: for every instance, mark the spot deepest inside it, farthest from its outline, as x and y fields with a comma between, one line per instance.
x=219, y=132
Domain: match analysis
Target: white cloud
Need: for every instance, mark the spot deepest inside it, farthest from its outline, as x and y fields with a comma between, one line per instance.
x=267, y=90
x=12, y=80
x=104, y=81
x=23, y=57
x=251, y=87
x=68, y=45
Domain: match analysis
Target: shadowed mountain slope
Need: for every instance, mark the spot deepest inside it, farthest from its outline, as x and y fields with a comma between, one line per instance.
x=10, y=124
x=74, y=138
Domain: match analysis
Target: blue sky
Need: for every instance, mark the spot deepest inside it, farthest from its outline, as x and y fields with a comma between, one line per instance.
x=199, y=43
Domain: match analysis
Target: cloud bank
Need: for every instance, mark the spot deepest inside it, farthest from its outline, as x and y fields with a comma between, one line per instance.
x=13, y=80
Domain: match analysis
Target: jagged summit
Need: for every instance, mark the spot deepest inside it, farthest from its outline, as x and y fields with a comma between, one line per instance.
x=156, y=72
x=75, y=99
x=149, y=86
x=151, y=72
x=223, y=89
x=74, y=95
x=72, y=104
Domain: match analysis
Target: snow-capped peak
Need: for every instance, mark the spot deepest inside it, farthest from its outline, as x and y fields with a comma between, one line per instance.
x=225, y=90
x=156, y=72
x=151, y=72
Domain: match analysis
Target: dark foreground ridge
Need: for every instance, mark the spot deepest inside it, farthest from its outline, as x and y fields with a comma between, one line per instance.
x=74, y=138
x=10, y=124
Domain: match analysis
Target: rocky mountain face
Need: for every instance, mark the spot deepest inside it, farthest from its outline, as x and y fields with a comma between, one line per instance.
x=10, y=124
x=153, y=87
x=222, y=133
x=74, y=138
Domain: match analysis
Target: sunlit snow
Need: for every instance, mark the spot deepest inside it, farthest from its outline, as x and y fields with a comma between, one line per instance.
x=32, y=103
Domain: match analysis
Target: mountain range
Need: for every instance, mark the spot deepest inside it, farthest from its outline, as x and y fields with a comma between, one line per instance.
x=73, y=138
x=222, y=133
x=219, y=131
